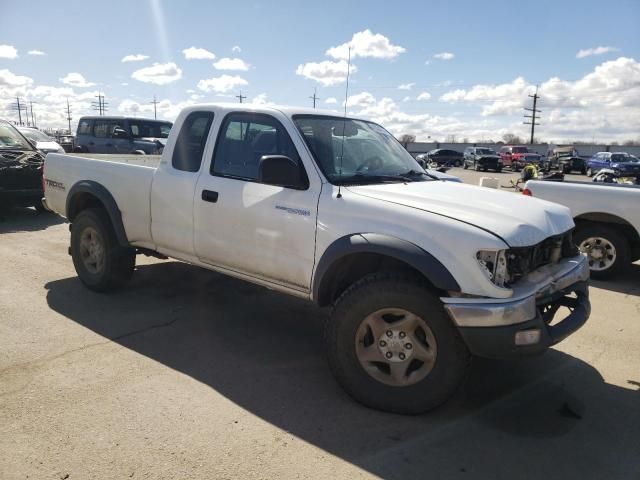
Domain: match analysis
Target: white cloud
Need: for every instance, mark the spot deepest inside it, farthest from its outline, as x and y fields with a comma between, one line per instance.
x=587, y=52
x=331, y=100
x=362, y=99
x=236, y=49
x=327, y=72
x=444, y=56
x=195, y=53
x=406, y=99
x=221, y=84
x=9, y=80
x=158, y=73
x=366, y=44
x=261, y=99
x=8, y=51
x=424, y=96
x=604, y=103
x=406, y=86
x=137, y=57
x=37, y=53
x=124, y=84
x=231, y=64
x=76, y=80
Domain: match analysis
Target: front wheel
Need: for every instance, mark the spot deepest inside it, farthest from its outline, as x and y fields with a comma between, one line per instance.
x=101, y=264
x=466, y=165
x=458, y=163
x=607, y=250
x=392, y=346
x=589, y=172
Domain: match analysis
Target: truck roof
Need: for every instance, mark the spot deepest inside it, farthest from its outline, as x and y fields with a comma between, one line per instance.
x=121, y=117
x=249, y=107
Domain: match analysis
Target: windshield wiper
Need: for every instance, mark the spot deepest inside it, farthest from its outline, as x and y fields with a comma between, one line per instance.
x=362, y=178
x=413, y=173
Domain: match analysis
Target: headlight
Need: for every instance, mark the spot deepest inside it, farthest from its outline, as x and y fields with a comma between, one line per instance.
x=494, y=265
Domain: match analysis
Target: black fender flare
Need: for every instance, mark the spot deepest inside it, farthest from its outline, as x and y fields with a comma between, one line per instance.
x=105, y=197
x=393, y=247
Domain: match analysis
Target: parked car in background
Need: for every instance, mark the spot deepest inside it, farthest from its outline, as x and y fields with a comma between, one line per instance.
x=66, y=141
x=607, y=220
x=482, y=158
x=443, y=156
x=517, y=157
x=620, y=162
x=41, y=140
x=122, y=135
x=20, y=170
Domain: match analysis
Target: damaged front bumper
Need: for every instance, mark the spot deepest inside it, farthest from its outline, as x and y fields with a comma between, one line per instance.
x=522, y=324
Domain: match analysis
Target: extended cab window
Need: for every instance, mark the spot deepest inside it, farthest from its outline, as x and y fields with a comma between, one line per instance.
x=244, y=138
x=187, y=154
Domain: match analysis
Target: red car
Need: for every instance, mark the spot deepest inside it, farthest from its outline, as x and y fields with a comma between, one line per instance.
x=517, y=156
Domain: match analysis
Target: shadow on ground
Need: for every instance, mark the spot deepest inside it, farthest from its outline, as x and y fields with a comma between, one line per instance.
x=264, y=352
x=627, y=282
x=26, y=220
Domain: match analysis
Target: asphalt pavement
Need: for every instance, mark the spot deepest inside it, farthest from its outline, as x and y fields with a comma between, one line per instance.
x=189, y=374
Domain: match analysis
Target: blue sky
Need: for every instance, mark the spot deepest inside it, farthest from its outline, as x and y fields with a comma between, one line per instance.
x=473, y=62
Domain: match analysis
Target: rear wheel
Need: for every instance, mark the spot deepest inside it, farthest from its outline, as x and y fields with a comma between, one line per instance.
x=458, y=163
x=607, y=250
x=392, y=346
x=466, y=165
x=476, y=166
x=101, y=264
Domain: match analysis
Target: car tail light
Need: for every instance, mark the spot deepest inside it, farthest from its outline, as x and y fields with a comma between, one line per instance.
x=527, y=192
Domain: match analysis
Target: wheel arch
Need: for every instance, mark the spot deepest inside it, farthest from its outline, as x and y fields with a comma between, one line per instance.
x=90, y=194
x=351, y=257
x=611, y=219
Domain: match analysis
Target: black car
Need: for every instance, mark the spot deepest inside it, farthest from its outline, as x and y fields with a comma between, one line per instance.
x=20, y=170
x=482, y=158
x=442, y=156
x=570, y=163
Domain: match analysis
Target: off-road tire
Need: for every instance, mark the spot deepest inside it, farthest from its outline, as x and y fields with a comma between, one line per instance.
x=382, y=290
x=619, y=241
x=119, y=262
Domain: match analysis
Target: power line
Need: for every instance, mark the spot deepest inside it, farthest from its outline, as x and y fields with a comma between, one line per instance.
x=533, y=114
x=17, y=106
x=100, y=105
x=155, y=102
x=314, y=97
x=240, y=97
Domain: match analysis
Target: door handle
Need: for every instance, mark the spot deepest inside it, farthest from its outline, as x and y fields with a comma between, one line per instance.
x=209, y=196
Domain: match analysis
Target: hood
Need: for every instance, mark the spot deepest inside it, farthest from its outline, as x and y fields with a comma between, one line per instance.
x=517, y=219
x=48, y=147
x=626, y=166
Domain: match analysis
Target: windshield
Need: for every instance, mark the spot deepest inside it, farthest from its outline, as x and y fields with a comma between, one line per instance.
x=148, y=128
x=366, y=153
x=10, y=139
x=35, y=135
x=519, y=150
x=485, y=151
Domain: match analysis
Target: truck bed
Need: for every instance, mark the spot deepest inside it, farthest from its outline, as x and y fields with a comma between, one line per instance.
x=127, y=178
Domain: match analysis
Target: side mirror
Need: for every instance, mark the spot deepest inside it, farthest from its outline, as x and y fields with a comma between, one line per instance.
x=119, y=133
x=281, y=171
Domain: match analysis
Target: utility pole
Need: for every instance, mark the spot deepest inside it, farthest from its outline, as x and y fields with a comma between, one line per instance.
x=33, y=121
x=69, y=115
x=533, y=115
x=155, y=102
x=240, y=97
x=100, y=105
x=19, y=107
x=314, y=97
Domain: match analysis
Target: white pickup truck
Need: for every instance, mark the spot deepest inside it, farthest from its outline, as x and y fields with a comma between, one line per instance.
x=421, y=273
x=607, y=218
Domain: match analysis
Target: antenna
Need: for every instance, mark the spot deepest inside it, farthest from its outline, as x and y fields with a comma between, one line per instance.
x=344, y=121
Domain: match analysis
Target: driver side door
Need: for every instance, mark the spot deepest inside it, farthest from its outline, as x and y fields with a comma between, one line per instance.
x=249, y=227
